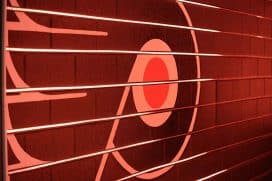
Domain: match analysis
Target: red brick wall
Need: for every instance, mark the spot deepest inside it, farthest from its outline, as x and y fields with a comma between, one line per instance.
x=249, y=94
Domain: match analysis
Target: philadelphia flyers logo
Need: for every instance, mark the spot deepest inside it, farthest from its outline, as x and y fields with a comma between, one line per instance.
x=164, y=67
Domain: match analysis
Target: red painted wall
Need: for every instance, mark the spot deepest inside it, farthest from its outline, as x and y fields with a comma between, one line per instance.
x=233, y=123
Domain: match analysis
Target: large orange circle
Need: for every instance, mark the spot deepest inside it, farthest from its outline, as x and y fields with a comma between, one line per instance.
x=138, y=73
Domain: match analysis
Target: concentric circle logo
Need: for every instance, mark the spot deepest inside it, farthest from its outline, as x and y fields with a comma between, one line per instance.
x=155, y=68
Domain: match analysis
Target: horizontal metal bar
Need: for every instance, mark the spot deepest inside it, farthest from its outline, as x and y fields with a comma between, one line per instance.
x=195, y=156
x=95, y=120
x=224, y=9
x=75, y=15
x=262, y=175
x=212, y=175
x=129, y=84
x=89, y=51
x=261, y=156
x=53, y=163
x=86, y=51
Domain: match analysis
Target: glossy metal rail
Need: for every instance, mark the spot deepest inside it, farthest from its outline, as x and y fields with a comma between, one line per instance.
x=121, y=117
x=74, y=15
x=262, y=175
x=224, y=9
x=261, y=156
x=129, y=84
x=89, y=51
x=53, y=163
x=196, y=156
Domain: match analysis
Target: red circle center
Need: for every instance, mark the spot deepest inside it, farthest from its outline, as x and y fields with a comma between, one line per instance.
x=156, y=70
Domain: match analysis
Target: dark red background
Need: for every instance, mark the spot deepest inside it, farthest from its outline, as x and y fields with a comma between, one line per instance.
x=70, y=69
